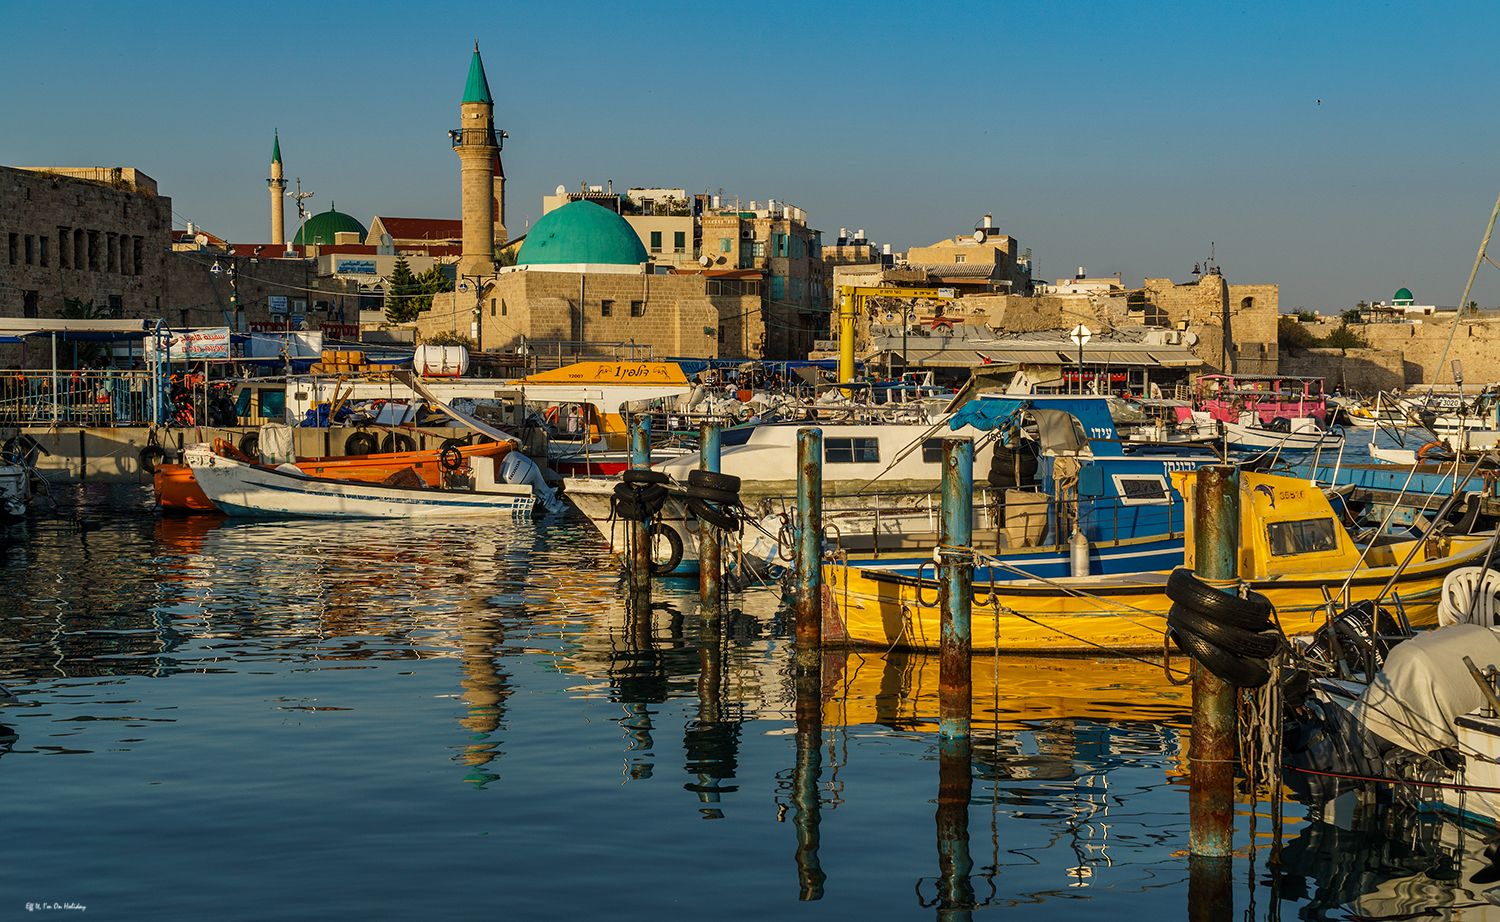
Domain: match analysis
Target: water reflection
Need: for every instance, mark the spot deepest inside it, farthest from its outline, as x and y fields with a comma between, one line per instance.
x=1355, y=861
x=528, y=626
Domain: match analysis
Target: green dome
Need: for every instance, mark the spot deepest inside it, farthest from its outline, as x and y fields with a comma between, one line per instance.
x=320, y=228
x=581, y=232
x=1403, y=295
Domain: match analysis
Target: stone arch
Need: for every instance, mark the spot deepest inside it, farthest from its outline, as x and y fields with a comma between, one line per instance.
x=1247, y=304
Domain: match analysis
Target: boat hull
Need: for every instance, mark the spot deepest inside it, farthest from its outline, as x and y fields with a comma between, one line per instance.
x=178, y=492
x=240, y=489
x=870, y=606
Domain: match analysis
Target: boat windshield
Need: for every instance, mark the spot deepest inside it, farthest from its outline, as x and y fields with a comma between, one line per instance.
x=1302, y=537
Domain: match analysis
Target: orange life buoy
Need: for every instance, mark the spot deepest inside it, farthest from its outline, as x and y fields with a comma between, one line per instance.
x=225, y=449
x=1422, y=452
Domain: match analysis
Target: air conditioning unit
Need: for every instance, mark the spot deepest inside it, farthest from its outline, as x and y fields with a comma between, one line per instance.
x=1172, y=337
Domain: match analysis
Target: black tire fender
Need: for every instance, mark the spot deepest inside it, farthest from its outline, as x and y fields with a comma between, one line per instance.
x=714, y=480
x=1244, y=672
x=397, y=441
x=652, y=494
x=151, y=456
x=360, y=443
x=711, y=495
x=647, y=476
x=249, y=443
x=707, y=514
x=1252, y=613
x=1240, y=642
x=674, y=548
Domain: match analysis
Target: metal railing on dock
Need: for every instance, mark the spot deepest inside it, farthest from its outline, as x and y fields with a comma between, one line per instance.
x=76, y=398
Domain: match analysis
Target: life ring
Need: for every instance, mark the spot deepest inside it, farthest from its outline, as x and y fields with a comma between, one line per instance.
x=674, y=549
x=1422, y=452
x=451, y=459
x=360, y=443
x=151, y=456
x=250, y=444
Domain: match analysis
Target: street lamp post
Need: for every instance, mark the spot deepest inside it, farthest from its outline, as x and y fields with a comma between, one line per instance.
x=477, y=326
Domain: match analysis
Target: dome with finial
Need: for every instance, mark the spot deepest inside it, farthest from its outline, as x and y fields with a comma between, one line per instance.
x=582, y=233
x=1403, y=298
x=320, y=228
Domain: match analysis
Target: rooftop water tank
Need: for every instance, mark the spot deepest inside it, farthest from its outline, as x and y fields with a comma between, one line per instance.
x=440, y=361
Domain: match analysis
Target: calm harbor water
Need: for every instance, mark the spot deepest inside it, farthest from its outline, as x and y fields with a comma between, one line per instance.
x=299, y=720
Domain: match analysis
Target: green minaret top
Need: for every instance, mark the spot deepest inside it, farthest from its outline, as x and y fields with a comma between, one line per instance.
x=478, y=88
x=276, y=149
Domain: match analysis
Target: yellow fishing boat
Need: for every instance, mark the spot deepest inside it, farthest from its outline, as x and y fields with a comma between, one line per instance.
x=1293, y=549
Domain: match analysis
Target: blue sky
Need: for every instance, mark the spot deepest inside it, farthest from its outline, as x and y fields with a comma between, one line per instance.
x=1338, y=150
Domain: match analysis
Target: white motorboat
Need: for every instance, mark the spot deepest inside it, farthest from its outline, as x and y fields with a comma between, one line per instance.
x=15, y=483
x=241, y=489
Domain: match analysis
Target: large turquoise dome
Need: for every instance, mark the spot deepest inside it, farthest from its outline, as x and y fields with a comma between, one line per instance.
x=1403, y=297
x=320, y=228
x=581, y=232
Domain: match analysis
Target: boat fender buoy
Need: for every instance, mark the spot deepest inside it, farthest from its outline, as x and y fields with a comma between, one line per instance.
x=450, y=458
x=360, y=443
x=1422, y=452
x=674, y=549
x=151, y=456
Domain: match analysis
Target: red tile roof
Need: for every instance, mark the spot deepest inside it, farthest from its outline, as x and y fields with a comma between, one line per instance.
x=422, y=228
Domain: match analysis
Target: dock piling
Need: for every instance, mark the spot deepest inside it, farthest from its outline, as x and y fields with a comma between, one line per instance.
x=955, y=595
x=805, y=784
x=1216, y=511
x=807, y=658
x=710, y=567
x=640, y=532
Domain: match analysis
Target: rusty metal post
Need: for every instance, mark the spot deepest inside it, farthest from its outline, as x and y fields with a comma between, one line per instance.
x=805, y=796
x=640, y=532
x=709, y=537
x=955, y=595
x=1211, y=756
x=807, y=655
x=955, y=864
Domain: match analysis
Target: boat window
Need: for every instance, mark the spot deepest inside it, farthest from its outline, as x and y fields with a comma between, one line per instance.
x=932, y=451
x=272, y=404
x=851, y=451
x=1141, y=489
x=1304, y=537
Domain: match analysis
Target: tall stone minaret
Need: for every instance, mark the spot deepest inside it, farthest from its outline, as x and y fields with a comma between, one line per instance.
x=478, y=154
x=277, y=184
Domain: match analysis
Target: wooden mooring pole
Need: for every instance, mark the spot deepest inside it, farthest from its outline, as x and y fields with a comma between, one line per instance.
x=709, y=538
x=807, y=656
x=1211, y=756
x=956, y=595
x=640, y=532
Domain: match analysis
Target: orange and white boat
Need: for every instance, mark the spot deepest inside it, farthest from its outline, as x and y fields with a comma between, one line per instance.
x=177, y=492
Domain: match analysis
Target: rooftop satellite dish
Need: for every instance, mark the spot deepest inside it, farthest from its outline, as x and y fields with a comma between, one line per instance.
x=561, y=190
x=979, y=236
x=705, y=260
x=201, y=239
x=1190, y=338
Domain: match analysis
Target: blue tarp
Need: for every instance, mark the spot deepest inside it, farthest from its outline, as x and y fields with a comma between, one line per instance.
x=986, y=414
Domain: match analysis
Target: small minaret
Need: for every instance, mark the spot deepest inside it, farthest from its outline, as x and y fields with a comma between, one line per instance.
x=478, y=154
x=277, y=184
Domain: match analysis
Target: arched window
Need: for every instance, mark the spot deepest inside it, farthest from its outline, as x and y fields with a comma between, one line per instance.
x=1247, y=304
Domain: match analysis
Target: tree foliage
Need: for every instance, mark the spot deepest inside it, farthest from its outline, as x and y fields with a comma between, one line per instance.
x=402, y=288
x=1291, y=334
x=86, y=354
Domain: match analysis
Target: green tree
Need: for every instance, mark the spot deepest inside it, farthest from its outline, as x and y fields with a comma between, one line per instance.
x=1351, y=315
x=401, y=288
x=1291, y=334
x=1307, y=316
x=1343, y=338
x=1472, y=309
x=429, y=283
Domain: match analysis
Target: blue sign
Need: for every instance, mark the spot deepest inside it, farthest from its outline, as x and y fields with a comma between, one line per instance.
x=355, y=266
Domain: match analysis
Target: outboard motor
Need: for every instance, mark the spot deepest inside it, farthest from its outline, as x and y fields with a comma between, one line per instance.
x=516, y=468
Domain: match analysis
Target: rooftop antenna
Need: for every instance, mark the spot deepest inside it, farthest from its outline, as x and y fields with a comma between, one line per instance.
x=299, y=195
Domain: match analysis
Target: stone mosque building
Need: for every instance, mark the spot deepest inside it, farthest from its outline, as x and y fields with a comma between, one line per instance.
x=581, y=274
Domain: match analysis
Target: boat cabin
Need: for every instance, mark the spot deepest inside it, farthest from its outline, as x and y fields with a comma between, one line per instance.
x=1265, y=397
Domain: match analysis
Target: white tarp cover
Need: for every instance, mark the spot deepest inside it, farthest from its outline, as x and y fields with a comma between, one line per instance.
x=298, y=345
x=21, y=326
x=1424, y=685
x=277, y=444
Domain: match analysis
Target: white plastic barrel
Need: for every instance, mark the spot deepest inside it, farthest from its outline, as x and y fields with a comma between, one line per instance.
x=440, y=361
